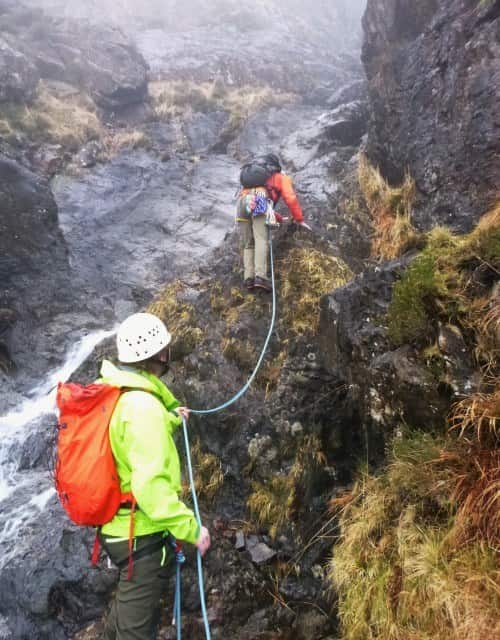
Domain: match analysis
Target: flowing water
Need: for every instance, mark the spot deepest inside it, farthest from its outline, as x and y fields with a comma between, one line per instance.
x=130, y=226
x=15, y=425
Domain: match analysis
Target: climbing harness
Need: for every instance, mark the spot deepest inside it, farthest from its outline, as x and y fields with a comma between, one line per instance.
x=180, y=558
x=245, y=388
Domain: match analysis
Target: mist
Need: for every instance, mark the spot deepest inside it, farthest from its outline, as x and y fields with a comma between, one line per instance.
x=333, y=24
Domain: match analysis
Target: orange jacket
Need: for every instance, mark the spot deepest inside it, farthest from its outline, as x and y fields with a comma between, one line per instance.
x=279, y=185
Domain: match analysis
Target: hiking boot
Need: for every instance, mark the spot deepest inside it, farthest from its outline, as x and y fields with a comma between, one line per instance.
x=249, y=284
x=262, y=283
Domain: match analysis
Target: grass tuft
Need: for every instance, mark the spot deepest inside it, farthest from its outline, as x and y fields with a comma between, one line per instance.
x=305, y=275
x=131, y=139
x=390, y=209
x=241, y=352
x=177, y=98
x=270, y=503
x=398, y=568
x=476, y=421
x=208, y=476
x=70, y=121
x=279, y=501
x=180, y=319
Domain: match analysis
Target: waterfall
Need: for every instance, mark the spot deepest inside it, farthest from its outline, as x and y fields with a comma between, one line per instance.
x=39, y=402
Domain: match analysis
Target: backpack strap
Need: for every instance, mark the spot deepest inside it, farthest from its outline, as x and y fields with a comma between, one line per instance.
x=131, y=539
x=97, y=547
x=272, y=189
x=127, y=501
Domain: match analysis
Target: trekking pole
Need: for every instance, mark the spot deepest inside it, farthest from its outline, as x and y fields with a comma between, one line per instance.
x=179, y=561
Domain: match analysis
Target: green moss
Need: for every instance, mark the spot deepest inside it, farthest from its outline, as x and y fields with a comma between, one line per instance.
x=410, y=313
x=437, y=285
x=486, y=247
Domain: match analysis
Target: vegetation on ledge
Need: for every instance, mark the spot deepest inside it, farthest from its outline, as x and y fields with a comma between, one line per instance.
x=305, y=275
x=452, y=280
x=180, y=318
x=418, y=551
x=390, y=209
x=69, y=120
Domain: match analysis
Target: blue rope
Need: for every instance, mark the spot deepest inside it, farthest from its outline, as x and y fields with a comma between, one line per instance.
x=198, y=518
x=244, y=389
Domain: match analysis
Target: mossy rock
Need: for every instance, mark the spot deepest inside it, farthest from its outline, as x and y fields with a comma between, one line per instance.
x=410, y=312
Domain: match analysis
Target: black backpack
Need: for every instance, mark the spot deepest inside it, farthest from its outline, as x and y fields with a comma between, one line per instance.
x=257, y=172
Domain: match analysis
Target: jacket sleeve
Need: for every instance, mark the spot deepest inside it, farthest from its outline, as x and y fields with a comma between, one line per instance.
x=171, y=403
x=290, y=197
x=151, y=444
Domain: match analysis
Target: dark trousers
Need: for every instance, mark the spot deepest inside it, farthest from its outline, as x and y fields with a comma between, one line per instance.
x=135, y=610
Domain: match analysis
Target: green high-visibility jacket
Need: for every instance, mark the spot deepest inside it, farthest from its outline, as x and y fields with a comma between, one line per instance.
x=141, y=435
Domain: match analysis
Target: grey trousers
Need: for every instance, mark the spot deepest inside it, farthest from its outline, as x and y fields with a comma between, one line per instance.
x=135, y=610
x=255, y=245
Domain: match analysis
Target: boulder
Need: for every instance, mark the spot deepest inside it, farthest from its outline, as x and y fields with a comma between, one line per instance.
x=357, y=90
x=101, y=59
x=386, y=386
x=345, y=125
x=97, y=58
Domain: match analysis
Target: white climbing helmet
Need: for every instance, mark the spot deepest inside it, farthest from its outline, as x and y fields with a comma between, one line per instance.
x=140, y=336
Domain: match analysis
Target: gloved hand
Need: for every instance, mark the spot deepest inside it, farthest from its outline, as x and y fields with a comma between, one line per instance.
x=203, y=544
x=304, y=225
x=184, y=412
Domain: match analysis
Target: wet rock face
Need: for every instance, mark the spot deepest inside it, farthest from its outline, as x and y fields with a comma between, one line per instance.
x=100, y=59
x=434, y=80
x=387, y=385
x=31, y=245
x=18, y=75
x=47, y=597
x=129, y=227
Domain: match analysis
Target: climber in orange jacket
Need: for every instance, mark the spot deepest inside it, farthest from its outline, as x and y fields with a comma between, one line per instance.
x=262, y=180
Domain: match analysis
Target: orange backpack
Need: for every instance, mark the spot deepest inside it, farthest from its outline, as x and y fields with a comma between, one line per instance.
x=85, y=472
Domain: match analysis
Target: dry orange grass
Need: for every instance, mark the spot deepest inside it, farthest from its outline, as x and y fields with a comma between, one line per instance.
x=399, y=569
x=477, y=419
x=476, y=493
x=390, y=209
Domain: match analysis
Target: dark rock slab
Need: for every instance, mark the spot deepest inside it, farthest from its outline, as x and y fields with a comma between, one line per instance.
x=434, y=81
x=31, y=247
x=18, y=75
x=98, y=58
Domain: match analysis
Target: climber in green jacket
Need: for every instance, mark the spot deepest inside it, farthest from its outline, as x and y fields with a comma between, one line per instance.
x=141, y=435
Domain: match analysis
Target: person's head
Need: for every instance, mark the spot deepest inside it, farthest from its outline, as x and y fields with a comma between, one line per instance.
x=272, y=161
x=143, y=340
